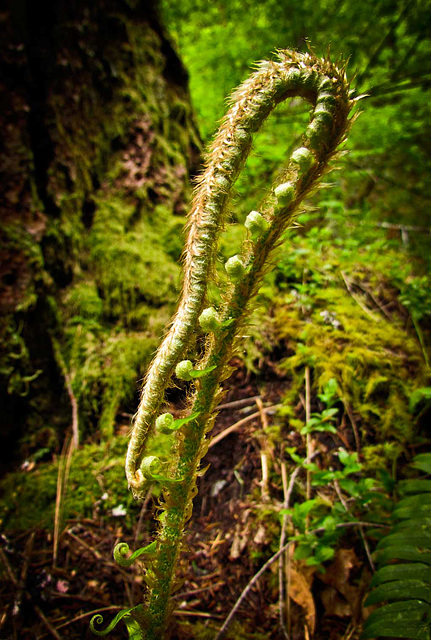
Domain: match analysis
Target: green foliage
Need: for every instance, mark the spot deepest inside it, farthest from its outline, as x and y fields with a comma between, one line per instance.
x=321, y=511
x=403, y=589
x=329, y=297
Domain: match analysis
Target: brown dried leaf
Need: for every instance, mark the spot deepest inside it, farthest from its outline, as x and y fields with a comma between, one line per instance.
x=299, y=589
x=337, y=578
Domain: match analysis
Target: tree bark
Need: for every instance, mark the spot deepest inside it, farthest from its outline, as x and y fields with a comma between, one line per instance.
x=98, y=145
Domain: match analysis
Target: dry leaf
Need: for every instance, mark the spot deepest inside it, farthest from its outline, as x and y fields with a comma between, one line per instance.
x=299, y=589
x=337, y=578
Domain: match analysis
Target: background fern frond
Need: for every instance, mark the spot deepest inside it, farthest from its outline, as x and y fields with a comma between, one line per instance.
x=403, y=589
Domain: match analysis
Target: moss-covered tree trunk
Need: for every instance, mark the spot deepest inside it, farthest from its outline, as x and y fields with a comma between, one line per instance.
x=98, y=147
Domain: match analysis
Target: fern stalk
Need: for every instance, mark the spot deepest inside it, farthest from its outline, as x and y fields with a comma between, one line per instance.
x=325, y=87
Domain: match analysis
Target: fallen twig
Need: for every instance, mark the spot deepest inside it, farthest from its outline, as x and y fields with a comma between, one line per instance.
x=239, y=424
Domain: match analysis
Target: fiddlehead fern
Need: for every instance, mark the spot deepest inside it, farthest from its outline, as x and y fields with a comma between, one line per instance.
x=325, y=87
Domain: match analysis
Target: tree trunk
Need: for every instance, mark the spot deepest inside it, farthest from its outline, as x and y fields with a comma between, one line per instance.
x=98, y=145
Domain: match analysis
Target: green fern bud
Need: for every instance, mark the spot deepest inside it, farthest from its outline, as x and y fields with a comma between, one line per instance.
x=150, y=466
x=285, y=193
x=303, y=159
x=183, y=370
x=165, y=423
x=255, y=223
x=209, y=320
x=235, y=269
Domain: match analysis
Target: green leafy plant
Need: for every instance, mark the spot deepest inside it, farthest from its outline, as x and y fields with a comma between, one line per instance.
x=402, y=585
x=317, y=512
x=324, y=86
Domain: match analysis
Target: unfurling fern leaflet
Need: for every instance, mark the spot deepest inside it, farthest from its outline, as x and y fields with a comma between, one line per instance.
x=402, y=585
x=324, y=86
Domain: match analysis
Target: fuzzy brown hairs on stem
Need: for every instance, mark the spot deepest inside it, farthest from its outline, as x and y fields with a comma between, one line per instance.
x=325, y=87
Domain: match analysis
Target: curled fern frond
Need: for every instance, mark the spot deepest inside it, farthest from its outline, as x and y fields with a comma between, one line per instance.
x=326, y=89
x=133, y=627
x=122, y=549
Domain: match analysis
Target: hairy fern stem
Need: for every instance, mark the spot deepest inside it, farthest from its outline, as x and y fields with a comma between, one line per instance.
x=324, y=85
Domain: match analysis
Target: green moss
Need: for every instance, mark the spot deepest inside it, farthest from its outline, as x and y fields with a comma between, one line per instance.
x=96, y=484
x=329, y=309
x=84, y=302
x=131, y=264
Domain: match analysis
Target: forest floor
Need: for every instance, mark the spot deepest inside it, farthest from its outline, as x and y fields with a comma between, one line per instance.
x=235, y=528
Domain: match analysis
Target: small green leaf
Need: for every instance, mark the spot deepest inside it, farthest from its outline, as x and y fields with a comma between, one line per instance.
x=409, y=630
x=404, y=571
x=324, y=553
x=135, y=631
x=199, y=373
x=347, y=459
x=227, y=323
x=414, y=486
x=303, y=551
x=422, y=462
x=421, y=539
x=415, y=610
x=404, y=552
x=328, y=413
x=295, y=457
x=169, y=426
x=414, y=524
x=400, y=590
x=330, y=392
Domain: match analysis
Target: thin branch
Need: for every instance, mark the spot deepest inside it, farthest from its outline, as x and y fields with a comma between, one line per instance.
x=236, y=404
x=354, y=427
x=263, y=454
x=220, y=436
x=62, y=478
x=308, y=436
x=402, y=227
x=287, y=490
x=69, y=388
